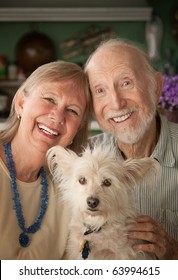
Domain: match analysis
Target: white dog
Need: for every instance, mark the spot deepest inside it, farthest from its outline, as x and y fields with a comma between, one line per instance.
x=97, y=188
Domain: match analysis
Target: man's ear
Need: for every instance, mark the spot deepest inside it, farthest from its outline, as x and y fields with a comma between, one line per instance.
x=160, y=83
x=19, y=102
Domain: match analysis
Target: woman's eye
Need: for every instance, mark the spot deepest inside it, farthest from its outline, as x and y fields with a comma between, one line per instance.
x=99, y=90
x=73, y=111
x=106, y=183
x=51, y=100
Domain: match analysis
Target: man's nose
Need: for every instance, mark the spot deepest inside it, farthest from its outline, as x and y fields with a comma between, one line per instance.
x=117, y=100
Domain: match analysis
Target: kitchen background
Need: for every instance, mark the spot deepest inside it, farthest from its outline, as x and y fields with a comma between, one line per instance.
x=46, y=30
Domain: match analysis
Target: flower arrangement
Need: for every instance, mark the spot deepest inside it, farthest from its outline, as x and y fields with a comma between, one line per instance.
x=169, y=96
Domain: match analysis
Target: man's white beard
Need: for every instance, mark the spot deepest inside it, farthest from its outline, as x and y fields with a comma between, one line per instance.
x=130, y=135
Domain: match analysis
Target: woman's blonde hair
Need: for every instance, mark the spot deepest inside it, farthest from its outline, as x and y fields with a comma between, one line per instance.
x=52, y=72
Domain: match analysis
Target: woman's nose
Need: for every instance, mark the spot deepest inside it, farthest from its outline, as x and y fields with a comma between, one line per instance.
x=57, y=116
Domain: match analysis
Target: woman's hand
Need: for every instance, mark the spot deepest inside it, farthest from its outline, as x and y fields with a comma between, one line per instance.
x=157, y=239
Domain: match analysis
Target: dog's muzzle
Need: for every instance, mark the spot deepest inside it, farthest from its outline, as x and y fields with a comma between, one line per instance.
x=92, y=203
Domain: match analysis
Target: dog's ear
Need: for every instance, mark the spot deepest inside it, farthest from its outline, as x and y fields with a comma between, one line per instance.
x=59, y=157
x=138, y=169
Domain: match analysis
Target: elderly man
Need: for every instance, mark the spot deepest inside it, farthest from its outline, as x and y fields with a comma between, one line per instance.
x=125, y=91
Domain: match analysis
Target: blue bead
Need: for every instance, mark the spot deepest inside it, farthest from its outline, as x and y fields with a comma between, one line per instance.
x=24, y=240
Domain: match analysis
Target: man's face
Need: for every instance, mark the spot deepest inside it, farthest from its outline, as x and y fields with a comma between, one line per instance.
x=120, y=92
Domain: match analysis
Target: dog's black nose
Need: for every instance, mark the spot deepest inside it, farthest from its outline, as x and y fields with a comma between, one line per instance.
x=92, y=202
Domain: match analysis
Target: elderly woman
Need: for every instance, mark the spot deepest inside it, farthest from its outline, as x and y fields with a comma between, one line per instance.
x=52, y=107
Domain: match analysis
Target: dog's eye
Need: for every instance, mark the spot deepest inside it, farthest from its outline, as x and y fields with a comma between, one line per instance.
x=82, y=180
x=106, y=183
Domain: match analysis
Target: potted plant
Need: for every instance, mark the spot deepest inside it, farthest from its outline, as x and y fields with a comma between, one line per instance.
x=169, y=97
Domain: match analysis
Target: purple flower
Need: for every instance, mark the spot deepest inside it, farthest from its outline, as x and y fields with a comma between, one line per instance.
x=169, y=97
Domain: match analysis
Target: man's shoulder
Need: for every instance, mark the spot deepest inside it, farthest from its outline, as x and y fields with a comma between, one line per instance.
x=170, y=128
x=173, y=129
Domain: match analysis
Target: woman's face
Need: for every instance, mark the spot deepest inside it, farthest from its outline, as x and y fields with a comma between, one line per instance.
x=52, y=114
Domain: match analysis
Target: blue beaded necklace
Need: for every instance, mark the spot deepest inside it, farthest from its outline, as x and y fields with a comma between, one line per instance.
x=24, y=239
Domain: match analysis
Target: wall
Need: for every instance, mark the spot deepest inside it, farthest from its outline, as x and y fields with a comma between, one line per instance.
x=166, y=11
x=10, y=33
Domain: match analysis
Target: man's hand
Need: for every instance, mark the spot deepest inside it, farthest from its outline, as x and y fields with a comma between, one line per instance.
x=157, y=239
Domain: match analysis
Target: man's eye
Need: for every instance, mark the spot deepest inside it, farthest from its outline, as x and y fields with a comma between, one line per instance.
x=126, y=83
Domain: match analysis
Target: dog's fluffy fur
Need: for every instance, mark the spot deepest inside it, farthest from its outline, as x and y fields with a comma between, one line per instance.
x=97, y=187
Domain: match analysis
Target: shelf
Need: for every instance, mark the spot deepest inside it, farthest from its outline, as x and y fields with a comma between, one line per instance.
x=10, y=83
x=75, y=14
x=10, y=86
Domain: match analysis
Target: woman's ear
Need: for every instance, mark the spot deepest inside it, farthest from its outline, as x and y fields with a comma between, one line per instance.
x=19, y=102
x=160, y=83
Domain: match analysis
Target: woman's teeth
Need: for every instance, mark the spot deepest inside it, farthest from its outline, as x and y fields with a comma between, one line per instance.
x=47, y=130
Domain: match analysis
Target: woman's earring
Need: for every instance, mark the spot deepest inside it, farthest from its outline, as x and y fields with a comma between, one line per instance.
x=19, y=117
